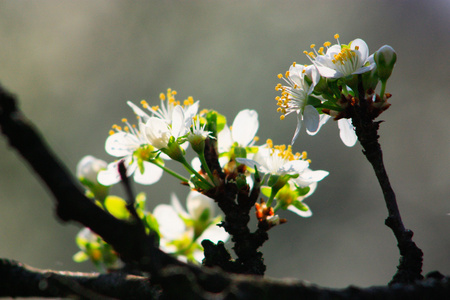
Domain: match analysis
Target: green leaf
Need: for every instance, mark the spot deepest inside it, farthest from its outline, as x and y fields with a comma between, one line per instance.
x=313, y=101
x=303, y=191
x=205, y=216
x=240, y=152
x=117, y=207
x=300, y=205
x=266, y=191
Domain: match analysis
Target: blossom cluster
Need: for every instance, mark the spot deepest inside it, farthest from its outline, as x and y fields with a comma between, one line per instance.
x=320, y=90
x=162, y=136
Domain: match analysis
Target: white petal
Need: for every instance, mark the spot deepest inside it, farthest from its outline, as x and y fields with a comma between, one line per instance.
x=197, y=203
x=138, y=111
x=299, y=212
x=308, y=177
x=224, y=140
x=297, y=129
x=311, y=118
x=362, y=48
x=151, y=175
x=192, y=110
x=177, y=206
x=329, y=73
x=121, y=144
x=215, y=234
x=323, y=119
x=251, y=163
x=347, y=132
x=157, y=132
x=111, y=175
x=294, y=167
x=245, y=126
x=170, y=225
x=196, y=163
x=178, y=122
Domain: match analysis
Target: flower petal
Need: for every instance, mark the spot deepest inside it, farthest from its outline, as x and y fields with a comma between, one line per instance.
x=178, y=122
x=151, y=174
x=245, y=126
x=311, y=118
x=323, y=119
x=111, y=175
x=138, y=111
x=197, y=203
x=177, y=206
x=224, y=140
x=157, y=132
x=299, y=212
x=215, y=234
x=307, y=177
x=347, y=132
x=121, y=144
x=170, y=225
x=251, y=163
x=294, y=167
x=297, y=129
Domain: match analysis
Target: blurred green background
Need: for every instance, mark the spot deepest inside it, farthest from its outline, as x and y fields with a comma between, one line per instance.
x=73, y=65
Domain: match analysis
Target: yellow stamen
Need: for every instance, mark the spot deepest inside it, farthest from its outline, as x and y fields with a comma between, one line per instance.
x=327, y=44
x=124, y=120
x=155, y=108
x=280, y=76
x=256, y=138
x=111, y=132
x=162, y=96
x=144, y=104
x=312, y=46
x=336, y=36
x=294, y=63
x=282, y=117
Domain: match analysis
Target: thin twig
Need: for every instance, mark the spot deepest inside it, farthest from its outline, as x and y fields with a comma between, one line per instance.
x=362, y=114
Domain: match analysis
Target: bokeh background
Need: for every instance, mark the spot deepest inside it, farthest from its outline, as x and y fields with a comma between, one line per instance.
x=73, y=65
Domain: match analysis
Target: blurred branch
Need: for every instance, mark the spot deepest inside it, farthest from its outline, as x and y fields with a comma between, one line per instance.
x=175, y=279
x=19, y=280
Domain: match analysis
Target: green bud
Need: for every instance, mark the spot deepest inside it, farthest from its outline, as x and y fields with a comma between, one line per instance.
x=385, y=59
x=87, y=171
x=174, y=150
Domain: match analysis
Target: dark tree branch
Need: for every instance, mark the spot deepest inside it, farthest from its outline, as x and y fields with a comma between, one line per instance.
x=363, y=113
x=19, y=280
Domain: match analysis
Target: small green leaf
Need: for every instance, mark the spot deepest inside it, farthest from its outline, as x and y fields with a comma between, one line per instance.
x=240, y=152
x=300, y=205
x=303, y=191
x=266, y=191
x=117, y=207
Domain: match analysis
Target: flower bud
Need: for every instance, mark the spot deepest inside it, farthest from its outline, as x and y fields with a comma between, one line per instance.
x=87, y=171
x=385, y=59
x=89, y=167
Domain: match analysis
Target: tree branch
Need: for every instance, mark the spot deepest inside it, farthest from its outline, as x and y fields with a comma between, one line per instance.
x=363, y=112
x=19, y=280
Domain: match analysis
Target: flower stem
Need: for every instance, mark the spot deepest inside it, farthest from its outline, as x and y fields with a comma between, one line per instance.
x=205, y=165
x=173, y=173
x=383, y=89
x=192, y=171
